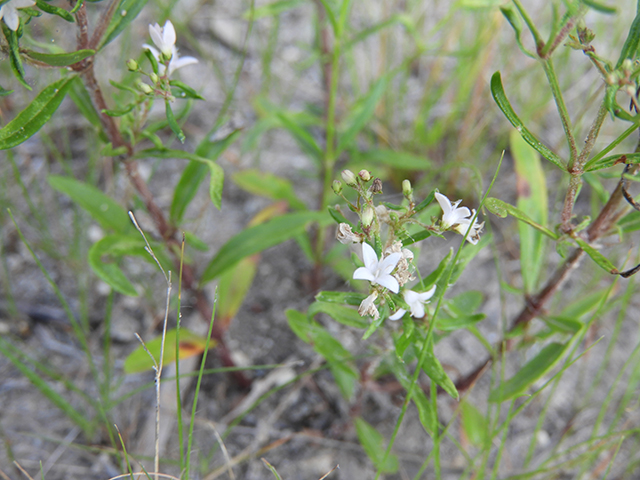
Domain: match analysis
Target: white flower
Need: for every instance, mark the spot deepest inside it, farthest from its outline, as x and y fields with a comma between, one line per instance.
x=451, y=214
x=416, y=302
x=378, y=272
x=474, y=230
x=165, y=39
x=9, y=11
x=402, y=273
x=459, y=219
x=367, y=307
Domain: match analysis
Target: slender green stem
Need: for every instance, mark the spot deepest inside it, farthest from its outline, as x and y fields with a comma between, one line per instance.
x=532, y=28
x=549, y=71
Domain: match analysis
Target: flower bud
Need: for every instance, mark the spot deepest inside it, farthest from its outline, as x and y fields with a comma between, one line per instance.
x=376, y=186
x=367, y=216
x=337, y=187
x=364, y=175
x=144, y=88
x=132, y=65
x=349, y=178
x=153, y=77
x=627, y=65
x=407, y=191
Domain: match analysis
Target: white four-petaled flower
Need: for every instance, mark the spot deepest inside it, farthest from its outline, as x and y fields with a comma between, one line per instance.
x=459, y=219
x=378, y=272
x=165, y=39
x=416, y=302
x=9, y=12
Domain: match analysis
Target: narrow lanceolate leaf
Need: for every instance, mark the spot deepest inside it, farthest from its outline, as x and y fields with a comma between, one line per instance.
x=602, y=261
x=373, y=443
x=195, y=172
x=217, y=174
x=268, y=185
x=474, y=424
x=103, y=260
x=233, y=287
x=532, y=371
x=53, y=10
x=630, y=48
x=513, y=17
x=256, y=239
x=340, y=313
x=32, y=118
x=60, y=59
x=627, y=158
x=497, y=90
x=190, y=344
x=126, y=11
x=101, y=207
x=348, y=298
x=301, y=135
x=182, y=90
x=14, y=55
x=531, y=188
x=173, y=124
x=502, y=209
x=360, y=113
x=433, y=368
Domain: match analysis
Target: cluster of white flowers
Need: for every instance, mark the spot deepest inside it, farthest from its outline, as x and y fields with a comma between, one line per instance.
x=9, y=12
x=393, y=269
x=165, y=39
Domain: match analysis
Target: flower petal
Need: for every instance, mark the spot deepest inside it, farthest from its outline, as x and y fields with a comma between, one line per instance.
x=445, y=203
x=363, y=273
x=11, y=17
x=369, y=257
x=398, y=315
x=155, y=31
x=168, y=35
x=388, y=282
x=389, y=263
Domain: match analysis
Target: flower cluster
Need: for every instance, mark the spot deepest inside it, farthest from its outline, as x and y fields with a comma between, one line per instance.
x=389, y=273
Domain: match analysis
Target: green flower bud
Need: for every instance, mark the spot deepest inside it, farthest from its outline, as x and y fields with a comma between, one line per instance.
x=349, y=178
x=337, y=187
x=132, y=65
x=407, y=191
x=144, y=88
x=153, y=77
x=367, y=216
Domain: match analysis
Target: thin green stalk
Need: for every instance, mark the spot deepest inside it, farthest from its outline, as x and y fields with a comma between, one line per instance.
x=436, y=434
x=530, y=25
x=178, y=395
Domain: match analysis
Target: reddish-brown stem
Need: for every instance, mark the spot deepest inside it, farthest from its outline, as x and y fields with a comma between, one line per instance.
x=166, y=230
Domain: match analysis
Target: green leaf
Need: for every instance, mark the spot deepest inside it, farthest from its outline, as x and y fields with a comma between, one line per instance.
x=32, y=118
x=426, y=202
x=101, y=207
x=266, y=184
x=14, y=55
x=630, y=48
x=433, y=368
x=474, y=424
x=502, y=209
x=194, y=173
x=372, y=442
x=126, y=11
x=173, y=124
x=563, y=324
x=53, y=10
x=271, y=469
x=120, y=112
x=458, y=311
x=607, y=162
x=630, y=222
x=102, y=257
x=185, y=91
x=529, y=373
x=301, y=135
x=256, y=239
x=600, y=7
x=346, y=298
x=233, y=287
x=497, y=90
x=360, y=113
x=531, y=188
x=216, y=171
x=60, y=59
x=513, y=17
x=4, y=92
x=602, y=261
x=190, y=344
x=340, y=313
